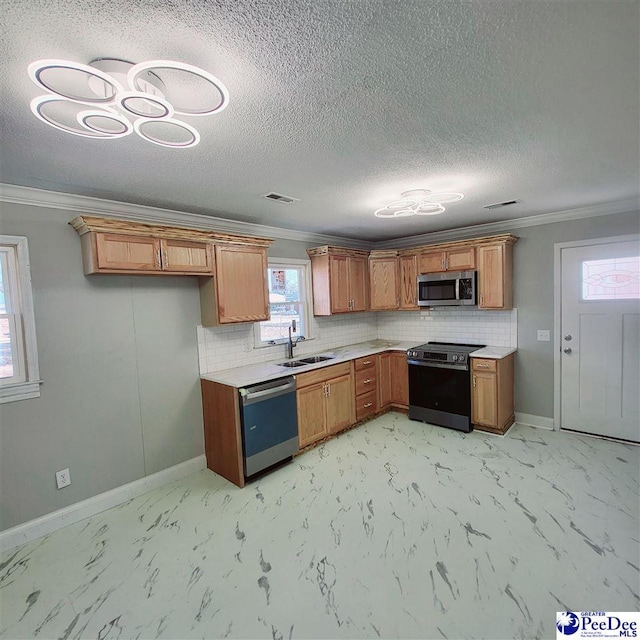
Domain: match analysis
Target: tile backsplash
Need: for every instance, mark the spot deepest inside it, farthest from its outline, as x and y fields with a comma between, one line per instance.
x=233, y=346
x=451, y=324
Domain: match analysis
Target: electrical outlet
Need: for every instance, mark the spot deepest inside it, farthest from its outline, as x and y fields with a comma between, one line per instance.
x=63, y=478
x=544, y=335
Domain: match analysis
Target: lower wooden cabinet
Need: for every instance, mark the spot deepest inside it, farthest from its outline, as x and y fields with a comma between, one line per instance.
x=366, y=386
x=492, y=394
x=393, y=379
x=325, y=402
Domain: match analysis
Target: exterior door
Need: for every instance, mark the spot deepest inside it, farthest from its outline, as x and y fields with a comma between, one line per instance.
x=600, y=339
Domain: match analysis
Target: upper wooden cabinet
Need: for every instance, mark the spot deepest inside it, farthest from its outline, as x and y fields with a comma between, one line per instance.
x=340, y=280
x=408, y=264
x=186, y=256
x=384, y=280
x=132, y=254
x=105, y=252
x=458, y=259
x=238, y=291
x=495, y=276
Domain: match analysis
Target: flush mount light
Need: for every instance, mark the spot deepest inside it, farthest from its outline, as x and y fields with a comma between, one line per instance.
x=417, y=202
x=126, y=97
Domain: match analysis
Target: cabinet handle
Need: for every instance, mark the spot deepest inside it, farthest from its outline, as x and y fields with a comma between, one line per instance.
x=482, y=365
x=325, y=388
x=369, y=404
x=474, y=382
x=166, y=258
x=446, y=264
x=367, y=362
x=367, y=381
x=481, y=299
x=328, y=390
x=443, y=267
x=158, y=259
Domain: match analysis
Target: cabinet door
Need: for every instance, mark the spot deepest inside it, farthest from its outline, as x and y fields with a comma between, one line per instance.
x=494, y=288
x=312, y=423
x=384, y=379
x=339, y=279
x=241, y=283
x=461, y=259
x=127, y=253
x=432, y=261
x=399, y=374
x=408, y=282
x=339, y=403
x=358, y=288
x=186, y=256
x=484, y=399
x=383, y=283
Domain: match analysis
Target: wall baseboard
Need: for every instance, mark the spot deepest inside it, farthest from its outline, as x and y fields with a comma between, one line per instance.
x=50, y=522
x=534, y=421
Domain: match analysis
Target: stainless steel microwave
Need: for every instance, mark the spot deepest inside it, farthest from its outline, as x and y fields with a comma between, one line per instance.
x=452, y=288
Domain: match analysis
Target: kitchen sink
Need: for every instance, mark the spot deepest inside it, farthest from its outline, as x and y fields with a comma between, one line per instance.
x=295, y=363
x=314, y=359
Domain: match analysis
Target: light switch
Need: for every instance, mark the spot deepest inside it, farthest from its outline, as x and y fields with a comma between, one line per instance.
x=544, y=335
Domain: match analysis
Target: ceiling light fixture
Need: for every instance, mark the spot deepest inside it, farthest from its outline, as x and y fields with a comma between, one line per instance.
x=124, y=97
x=418, y=202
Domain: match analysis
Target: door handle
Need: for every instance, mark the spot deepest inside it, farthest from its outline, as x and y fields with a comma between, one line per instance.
x=568, y=337
x=567, y=350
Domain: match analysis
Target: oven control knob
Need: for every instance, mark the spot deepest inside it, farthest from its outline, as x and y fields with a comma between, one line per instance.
x=455, y=357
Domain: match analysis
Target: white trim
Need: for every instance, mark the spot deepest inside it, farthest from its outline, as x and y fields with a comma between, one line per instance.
x=33, y=529
x=491, y=228
x=557, y=311
x=534, y=421
x=155, y=215
x=97, y=206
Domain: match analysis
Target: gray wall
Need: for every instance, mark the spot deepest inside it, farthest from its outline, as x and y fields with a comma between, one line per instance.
x=118, y=357
x=533, y=291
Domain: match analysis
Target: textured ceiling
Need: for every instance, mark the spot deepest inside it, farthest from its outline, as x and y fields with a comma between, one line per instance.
x=346, y=103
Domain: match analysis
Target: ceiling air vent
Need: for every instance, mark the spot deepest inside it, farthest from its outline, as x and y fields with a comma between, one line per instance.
x=497, y=205
x=278, y=197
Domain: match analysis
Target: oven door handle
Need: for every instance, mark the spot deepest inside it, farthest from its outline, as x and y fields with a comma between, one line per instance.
x=437, y=365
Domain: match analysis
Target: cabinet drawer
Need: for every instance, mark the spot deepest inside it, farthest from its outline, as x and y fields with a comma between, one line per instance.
x=478, y=364
x=368, y=362
x=366, y=405
x=323, y=374
x=365, y=381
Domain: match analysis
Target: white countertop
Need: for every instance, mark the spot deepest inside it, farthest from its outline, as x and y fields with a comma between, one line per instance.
x=493, y=353
x=256, y=373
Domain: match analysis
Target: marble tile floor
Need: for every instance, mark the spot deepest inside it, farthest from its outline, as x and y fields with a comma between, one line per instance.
x=395, y=529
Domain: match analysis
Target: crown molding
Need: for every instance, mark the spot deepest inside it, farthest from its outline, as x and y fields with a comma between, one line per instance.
x=72, y=202
x=140, y=213
x=507, y=226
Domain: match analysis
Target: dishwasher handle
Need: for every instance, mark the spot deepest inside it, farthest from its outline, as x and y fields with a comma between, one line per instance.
x=266, y=390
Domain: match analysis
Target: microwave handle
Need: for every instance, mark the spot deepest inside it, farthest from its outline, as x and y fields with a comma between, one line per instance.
x=457, y=288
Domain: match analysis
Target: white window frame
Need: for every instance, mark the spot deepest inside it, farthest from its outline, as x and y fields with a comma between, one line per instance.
x=285, y=263
x=25, y=383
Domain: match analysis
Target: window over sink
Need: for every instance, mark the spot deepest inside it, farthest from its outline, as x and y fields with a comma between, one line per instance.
x=288, y=282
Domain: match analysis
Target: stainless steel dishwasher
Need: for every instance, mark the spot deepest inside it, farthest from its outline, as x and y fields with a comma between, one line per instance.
x=269, y=418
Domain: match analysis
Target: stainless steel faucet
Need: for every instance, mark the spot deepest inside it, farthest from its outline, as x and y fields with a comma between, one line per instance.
x=292, y=343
